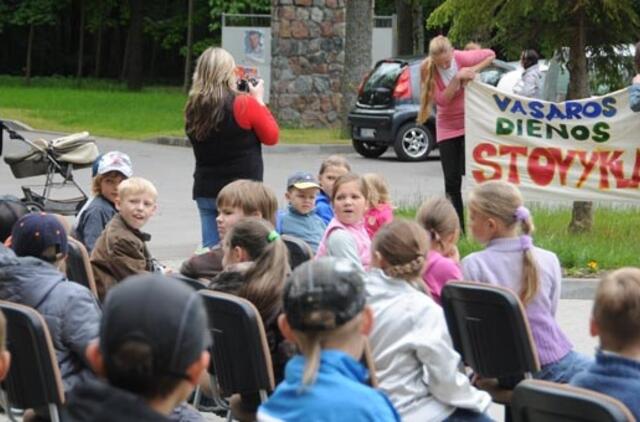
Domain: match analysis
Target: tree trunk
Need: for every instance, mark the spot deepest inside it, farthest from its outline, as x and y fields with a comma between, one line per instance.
x=417, y=18
x=27, y=73
x=404, y=27
x=80, y=41
x=134, y=74
x=357, y=60
x=125, y=57
x=582, y=212
x=187, y=60
x=98, y=61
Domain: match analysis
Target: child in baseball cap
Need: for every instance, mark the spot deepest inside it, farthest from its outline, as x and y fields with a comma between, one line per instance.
x=326, y=316
x=111, y=169
x=299, y=218
x=151, y=351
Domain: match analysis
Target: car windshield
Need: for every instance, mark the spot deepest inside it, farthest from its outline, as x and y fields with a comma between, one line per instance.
x=384, y=75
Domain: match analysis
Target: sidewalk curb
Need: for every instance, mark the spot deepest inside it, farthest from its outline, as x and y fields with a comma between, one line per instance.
x=177, y=141
x=579, y=288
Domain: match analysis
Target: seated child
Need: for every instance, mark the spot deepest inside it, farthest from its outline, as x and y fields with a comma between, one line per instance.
x=414, y=357
x=380, y=210
x=346, y=236
x=113, y=168
x=151, y=353
x=299, y=218
x=256, y=266
x=438, y=217
x=30, y=275
x=499, y=220
x=616, y=320
x=331, y=168
x=239, y=199
x=121, y=249
x=326, y=316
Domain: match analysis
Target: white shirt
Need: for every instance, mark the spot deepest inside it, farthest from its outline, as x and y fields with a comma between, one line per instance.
x=416, y=364
x=447, y=75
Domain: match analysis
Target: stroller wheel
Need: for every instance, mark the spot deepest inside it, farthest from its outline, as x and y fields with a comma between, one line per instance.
x=34, y=206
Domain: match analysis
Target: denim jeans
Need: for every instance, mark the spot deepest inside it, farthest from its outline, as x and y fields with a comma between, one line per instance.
x=466, y=415
x=208, y=214
x=563, y=370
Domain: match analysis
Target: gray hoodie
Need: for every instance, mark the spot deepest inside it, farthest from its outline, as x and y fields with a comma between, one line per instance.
x=70, y=310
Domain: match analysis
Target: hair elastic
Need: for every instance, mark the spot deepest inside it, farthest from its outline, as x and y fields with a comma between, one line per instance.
x=273, y=235
x=522, y=213
x=526, y=242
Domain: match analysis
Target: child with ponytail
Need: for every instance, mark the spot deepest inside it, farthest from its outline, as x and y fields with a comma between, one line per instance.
x=326, y=316
x=499, y=220
x=438, y=217
x=414, y=358
x=255, y=268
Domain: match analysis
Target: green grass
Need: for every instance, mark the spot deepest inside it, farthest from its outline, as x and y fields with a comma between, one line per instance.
x=106, y=108
x=613, y=242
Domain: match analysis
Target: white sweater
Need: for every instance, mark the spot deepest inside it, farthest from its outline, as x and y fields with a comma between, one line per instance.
x=416, y=364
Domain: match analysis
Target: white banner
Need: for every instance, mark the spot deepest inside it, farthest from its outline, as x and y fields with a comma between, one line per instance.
x=576, y=150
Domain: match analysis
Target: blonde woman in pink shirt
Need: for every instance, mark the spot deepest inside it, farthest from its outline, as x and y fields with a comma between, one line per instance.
x=444, y=73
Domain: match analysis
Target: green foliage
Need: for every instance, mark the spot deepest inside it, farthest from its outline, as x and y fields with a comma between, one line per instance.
x=35, y=12
x=98, y=14
x=218, y=7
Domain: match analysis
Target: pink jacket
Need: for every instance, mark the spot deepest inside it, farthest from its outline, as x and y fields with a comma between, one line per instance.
x=439, y=271
x=376, y=217
x=450, y=114
x=359, y=234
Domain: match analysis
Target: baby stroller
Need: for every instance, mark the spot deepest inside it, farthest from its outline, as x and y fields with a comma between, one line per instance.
x=58, y=157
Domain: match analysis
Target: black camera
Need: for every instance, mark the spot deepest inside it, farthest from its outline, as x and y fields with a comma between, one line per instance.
x=243, y=84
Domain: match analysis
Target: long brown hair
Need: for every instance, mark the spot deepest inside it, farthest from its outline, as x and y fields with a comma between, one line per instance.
x=213, y=86
x=266, y=276
x=404, y=245
x=437, y=46
x=438, y=217
x=500, y=200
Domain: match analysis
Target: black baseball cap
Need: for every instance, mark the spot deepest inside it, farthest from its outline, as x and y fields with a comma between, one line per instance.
x=324, y=294
x=161, y=312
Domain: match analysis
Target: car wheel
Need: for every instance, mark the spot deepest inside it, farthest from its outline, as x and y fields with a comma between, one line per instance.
x=413, y=142
x=369, y=149
x=33, y=206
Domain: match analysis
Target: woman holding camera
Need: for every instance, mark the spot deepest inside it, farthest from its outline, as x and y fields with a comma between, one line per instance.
x=226, y=129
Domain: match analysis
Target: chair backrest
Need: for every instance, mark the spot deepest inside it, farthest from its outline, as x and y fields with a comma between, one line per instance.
x=240, y=355
x=299, y=250
x=489, y=328
x=536, y=400
x=191, y=282
x=34, y=377
x=79, y=267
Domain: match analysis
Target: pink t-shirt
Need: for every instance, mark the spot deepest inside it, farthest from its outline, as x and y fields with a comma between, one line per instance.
x=450, y=114
x=439, y=271
x=376, y=217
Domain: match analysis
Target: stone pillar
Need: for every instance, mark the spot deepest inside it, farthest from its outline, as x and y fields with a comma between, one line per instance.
x=307, y=59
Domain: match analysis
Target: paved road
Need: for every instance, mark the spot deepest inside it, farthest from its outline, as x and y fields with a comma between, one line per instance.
x=175, y=229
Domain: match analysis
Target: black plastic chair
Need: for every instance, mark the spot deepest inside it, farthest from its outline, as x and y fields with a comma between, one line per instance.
x=240, y=358
x=191, y=282
x=536, y=400
x=299, y=250
x=79, y=266
x=34, y=379
x=489, y=329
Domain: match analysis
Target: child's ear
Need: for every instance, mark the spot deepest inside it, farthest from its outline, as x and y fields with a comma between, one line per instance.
x=5, y=363
x=285, y=328
x=94, y=358
x=287, y=195
x=367, y=321
x=377, y=260
x=240, y=254
x=594, y=329
x=197, y=368
x=117, y=203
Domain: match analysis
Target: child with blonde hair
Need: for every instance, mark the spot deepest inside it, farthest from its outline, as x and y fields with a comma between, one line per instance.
x=121, y=249
x=325, y=314
x=331, y=168
x=616, y=320
x=346, y=235
x=414, y=358
x=499, y=220
x=438, y=217
x=380, y=210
